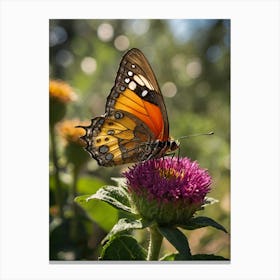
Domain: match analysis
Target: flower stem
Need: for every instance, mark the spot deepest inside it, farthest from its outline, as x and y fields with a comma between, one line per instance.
x=155, y=244
x=58, y=190
x=74, y=224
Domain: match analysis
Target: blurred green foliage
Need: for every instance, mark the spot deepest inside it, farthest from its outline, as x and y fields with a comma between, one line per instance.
x=191, y=60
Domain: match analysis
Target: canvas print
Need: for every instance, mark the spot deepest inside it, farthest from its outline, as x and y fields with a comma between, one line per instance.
x=139, y=122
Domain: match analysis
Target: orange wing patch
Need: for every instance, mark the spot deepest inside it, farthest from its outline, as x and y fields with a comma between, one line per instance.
x=147, y=112
x=118, y=138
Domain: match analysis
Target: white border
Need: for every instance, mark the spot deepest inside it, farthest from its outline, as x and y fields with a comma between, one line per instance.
x=255, y=138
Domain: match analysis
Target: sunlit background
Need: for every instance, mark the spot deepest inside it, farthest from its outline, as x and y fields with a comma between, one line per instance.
x=191, y=60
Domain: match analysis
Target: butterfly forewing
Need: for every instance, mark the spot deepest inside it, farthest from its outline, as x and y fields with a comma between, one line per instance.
x=135, y=124
x=136, y=91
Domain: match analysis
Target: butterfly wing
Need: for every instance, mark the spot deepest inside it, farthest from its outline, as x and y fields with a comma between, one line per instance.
x=135, y=119
x=119, y=138
x=136, y=91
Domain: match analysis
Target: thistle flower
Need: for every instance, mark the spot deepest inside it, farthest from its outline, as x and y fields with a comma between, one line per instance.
x=168, y=190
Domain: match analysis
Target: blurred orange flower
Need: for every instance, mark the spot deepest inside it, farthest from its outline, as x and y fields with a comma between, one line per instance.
x=61, y=91
x=68, y=130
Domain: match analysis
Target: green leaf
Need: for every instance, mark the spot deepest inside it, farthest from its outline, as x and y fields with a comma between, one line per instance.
x=178, y=240
x=98, y=211
x=169, y=257
x=199, y=222
x=123, y=247
x=120, y=181
x=124, y=225
x=115, y=196
x=209, y=201
x=198, y=257
x=206, y=257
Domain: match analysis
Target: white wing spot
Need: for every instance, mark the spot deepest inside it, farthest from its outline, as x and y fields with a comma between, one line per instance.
x=132, y=85
x=130, y=73
x=127, y=80
x=144, y=93
x=146, y=82
x=138, y=80
x=133, y=66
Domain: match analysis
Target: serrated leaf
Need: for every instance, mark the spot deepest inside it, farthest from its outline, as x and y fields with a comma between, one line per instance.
x=124, y=225
x=120, y=181
x=123, y=247
x=209, y=201
x=201, y=221
x=115, y=196
x=98, y=211
x=178, y=240
x=206, y=257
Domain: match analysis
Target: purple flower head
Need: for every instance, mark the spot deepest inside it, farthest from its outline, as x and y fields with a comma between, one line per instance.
x=169, y=179
x=168, y=183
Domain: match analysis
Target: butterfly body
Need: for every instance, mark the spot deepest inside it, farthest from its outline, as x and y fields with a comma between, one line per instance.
x=135, y=124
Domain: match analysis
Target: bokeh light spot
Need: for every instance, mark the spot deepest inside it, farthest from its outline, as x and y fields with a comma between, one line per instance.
x=121, y=43
x=169, y=89
x=58, y=35
x=64, y=58
x=105, y=32
x=194, y=69
x=178, y=62
x=140, y=26
x=88, y=65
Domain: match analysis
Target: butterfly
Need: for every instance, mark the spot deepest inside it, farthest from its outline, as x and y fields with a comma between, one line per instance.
x=135, y=125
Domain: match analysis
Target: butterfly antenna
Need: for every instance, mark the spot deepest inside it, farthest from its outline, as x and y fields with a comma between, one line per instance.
x=198, y=134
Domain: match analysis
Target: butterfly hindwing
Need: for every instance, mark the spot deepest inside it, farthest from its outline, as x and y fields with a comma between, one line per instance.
x=118, y=138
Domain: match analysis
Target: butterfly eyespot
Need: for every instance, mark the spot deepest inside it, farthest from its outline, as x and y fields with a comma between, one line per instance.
x=103, y=149
x=127, y=80
x=116, y=94
x=119, y=115
x=100, y=122
x=106, y=139
x=111, y=132
x=109, y=156
x=98, y=140
x=130, y=73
